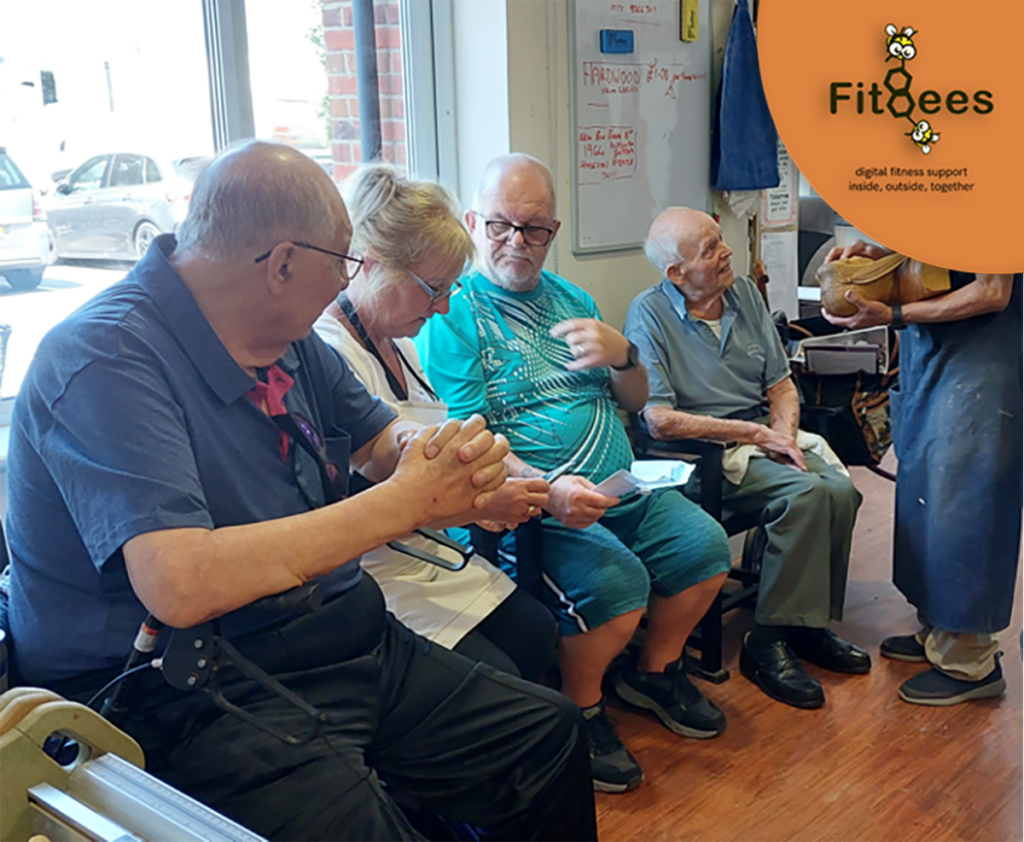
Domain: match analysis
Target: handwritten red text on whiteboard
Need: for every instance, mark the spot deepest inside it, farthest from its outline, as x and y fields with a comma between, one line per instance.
x=629, y=78
x=605, y=153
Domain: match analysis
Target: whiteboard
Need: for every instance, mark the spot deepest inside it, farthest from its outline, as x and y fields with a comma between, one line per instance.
x=642, y=120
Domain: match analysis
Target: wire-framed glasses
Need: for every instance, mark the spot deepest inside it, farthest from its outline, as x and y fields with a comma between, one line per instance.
x=349, y=264
x=435, y=294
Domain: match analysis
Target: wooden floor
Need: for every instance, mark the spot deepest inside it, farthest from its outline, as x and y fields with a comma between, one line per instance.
x=864, y=767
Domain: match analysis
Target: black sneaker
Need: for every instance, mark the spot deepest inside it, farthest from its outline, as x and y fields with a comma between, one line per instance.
x=672, y=697
x=903, y=647
x=612, y=767
x=938, y=689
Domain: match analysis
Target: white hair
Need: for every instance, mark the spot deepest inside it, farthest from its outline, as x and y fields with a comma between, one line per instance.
x=252, y=197
x=662, y=249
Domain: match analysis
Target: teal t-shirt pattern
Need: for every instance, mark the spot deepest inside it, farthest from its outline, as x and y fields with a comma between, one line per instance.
x=493, y=354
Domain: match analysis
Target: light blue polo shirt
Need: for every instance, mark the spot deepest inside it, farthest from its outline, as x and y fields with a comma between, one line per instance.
x=134, y=418
x=693, y=370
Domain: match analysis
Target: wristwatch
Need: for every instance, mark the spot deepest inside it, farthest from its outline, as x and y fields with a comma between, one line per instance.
x=897, y=317
x=632, y=359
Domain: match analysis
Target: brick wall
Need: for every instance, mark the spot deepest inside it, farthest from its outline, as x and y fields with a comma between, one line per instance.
x=346, y=150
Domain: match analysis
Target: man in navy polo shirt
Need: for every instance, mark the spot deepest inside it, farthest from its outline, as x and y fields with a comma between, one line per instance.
x=176, y=448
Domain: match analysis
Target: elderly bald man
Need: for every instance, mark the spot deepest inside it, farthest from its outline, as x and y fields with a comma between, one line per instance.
x=718, y=371
x=529, y=351
x=181, y=445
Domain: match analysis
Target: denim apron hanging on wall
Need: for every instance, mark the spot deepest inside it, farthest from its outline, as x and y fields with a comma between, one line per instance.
x=744, y=143
x=956, y=421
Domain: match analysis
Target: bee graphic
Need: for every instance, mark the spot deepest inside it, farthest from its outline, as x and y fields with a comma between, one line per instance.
x=899, y=44
x=923, y=136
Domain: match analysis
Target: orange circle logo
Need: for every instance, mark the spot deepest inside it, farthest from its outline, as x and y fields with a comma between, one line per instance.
x=908, y=119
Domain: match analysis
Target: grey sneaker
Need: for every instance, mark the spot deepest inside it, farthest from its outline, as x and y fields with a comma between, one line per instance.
x=938, y=689
x=612, y=767
x=672, y=698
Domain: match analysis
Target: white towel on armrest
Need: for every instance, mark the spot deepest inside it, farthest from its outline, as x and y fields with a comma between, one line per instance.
x=736, y=459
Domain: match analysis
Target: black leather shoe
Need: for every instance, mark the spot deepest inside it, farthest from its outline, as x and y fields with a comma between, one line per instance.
x=824, y=649
x=778, y=672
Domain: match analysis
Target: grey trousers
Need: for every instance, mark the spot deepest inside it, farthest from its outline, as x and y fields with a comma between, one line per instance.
x=809, y=517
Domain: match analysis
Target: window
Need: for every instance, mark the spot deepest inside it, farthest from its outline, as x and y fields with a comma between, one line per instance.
x=134, y=96
x=305, y=83
x=127, y=170
x=10, y=176
x=89, y=176
x=126, y=81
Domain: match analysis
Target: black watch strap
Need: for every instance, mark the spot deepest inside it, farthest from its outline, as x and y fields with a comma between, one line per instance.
x=632, y=359
x=897, y=317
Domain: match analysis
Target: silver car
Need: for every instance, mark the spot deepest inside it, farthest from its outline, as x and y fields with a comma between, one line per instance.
x=24, y=241
x=113, y=205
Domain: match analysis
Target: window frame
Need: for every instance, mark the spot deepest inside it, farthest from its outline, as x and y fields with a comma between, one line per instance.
x=429, y=79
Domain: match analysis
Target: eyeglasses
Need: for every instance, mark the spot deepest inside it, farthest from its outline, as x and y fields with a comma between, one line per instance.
x=344, y=260
x=435, y=294
x=501, y=232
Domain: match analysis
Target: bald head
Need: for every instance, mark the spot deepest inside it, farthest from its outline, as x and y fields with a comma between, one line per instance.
x=674, y=235
x=686, y=246
x=255, y=195
x=512, y=172
x=513, y=224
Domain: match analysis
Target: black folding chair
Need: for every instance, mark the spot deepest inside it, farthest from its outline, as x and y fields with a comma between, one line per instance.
x=707, y=455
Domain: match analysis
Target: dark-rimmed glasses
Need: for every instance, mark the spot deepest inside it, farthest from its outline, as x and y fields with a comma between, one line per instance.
x=435, y=294
x=344, y=260
x=501, y=232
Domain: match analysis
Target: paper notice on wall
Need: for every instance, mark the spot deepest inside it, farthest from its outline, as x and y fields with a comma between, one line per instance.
x=779, y=254
x=780, y=203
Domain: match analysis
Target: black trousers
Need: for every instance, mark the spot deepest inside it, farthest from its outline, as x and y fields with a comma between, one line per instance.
x=517, y=637
x=405, y=718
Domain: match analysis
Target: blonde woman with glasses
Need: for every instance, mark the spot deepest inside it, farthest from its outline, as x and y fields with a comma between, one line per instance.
x=414, y=248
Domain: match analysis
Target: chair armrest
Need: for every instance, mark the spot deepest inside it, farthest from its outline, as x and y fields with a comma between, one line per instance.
x=680, y=448
x=815, y=419
x=814, y=409
x=708, y=454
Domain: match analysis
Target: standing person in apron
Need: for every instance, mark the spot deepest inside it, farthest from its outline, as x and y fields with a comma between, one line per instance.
x=957, y=430
x=415, y=248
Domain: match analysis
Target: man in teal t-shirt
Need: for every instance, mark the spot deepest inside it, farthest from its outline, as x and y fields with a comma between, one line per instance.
x=529, y=351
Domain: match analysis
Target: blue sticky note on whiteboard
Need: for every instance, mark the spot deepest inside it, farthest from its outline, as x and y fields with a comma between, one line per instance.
x=616, y=40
